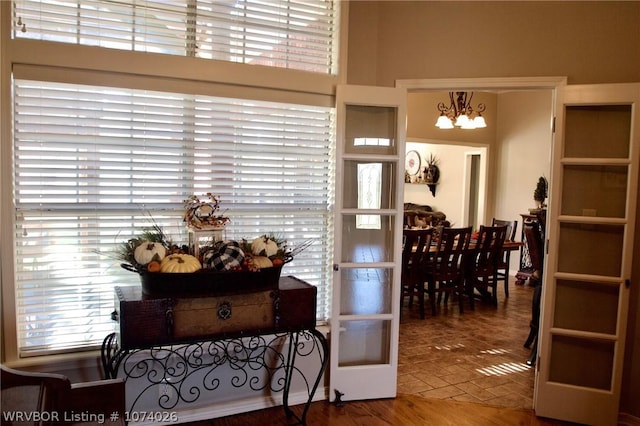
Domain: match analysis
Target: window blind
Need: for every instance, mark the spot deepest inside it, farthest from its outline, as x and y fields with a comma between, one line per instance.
x=294, y=34
x=94, y=166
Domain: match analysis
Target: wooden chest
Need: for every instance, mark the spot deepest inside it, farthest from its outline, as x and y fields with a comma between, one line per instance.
x=144, y=321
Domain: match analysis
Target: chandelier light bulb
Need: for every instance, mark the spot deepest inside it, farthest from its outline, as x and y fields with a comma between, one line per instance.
x=468, y=125
x=462, y=120
x=444, y=122
x=479, y=122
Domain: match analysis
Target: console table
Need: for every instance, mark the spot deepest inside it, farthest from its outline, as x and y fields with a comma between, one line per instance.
x=186, y=363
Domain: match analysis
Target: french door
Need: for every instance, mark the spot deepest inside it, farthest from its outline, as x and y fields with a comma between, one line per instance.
x=369, y=211
x=594, y=186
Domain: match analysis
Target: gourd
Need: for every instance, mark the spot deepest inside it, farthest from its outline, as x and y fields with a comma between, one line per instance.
x=262, y=262
x=223, y=256
x=153, y=266
x=180, y=263
x=263, y=246
x=147, y=251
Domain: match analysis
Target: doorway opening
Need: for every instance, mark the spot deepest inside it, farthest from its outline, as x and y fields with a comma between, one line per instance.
x=472, y=194
x=503, y=183
x=461, y=189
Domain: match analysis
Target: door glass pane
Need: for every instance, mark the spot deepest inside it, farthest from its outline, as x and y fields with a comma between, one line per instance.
x=590, y=249
x=369, y=185
x=364, y=342
x=365, y=291
x=597, y=131
x=594, y=191
x=586, y=306
x=581, y=362
x=362, y=244
x=370, y=130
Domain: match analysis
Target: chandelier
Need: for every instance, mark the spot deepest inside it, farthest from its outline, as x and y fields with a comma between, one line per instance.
x=460, y=113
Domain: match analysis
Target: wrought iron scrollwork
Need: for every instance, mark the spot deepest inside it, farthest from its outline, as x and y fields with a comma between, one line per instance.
x=257, y=362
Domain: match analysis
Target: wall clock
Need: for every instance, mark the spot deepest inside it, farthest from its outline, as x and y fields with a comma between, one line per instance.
x=412, y=162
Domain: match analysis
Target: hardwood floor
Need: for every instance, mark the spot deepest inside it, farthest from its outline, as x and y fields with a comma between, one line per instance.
x=476, y=356
x=454, y=369
x=403, y=410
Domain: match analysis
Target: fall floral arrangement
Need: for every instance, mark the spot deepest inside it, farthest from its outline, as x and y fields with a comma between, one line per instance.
x=153, y=251
x=204, y=214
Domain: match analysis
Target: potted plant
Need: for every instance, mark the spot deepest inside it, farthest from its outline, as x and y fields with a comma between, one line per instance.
x=540, y=193
x=431, y=171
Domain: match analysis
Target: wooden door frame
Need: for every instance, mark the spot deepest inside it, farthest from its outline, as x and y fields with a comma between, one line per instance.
x=493, y=84
x=482, y=186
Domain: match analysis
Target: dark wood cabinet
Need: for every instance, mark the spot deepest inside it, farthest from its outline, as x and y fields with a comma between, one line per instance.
x=149, y=321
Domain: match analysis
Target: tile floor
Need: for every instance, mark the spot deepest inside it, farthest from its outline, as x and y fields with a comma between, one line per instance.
x=476, y=356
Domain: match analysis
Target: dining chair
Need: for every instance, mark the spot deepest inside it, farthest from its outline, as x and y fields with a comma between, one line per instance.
x=415, y=260
x=55, y=398
x=482, y=266
x=503, y=261
x=446, y=272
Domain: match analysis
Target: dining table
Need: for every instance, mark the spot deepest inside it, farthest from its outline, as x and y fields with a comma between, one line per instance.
x=507, y=246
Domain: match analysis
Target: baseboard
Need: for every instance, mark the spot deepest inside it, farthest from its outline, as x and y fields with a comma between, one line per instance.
x=237, y=407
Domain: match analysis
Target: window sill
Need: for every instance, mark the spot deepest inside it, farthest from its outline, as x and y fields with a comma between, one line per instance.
x=78, y=366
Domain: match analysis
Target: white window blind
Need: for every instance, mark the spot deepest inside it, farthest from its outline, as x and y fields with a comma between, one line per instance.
x=93, y=166
x=295, y=34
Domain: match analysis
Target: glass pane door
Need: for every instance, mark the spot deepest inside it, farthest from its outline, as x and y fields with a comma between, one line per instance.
x=591, y=228
x=365, y=310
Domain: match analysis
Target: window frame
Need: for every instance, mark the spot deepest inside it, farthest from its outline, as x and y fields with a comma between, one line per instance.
x=287, y=34
x=89, y=158
x=89, y=65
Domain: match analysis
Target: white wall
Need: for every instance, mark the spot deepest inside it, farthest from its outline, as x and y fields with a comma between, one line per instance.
x=520, y=155
x=523, y=152
x=450, y=193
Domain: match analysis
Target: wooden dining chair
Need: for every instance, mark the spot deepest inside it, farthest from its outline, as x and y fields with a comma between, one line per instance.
x=415, y=260
x=446, y=272
x=482, y=266
x=56, y=398
x=503, y=261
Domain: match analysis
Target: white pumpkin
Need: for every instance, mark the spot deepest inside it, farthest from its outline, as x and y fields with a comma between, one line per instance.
x=180, y=263
x=263, y=246
x=147, y=251
x=261, y=262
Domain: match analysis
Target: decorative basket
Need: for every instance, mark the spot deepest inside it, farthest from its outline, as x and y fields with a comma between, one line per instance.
x=207, y=282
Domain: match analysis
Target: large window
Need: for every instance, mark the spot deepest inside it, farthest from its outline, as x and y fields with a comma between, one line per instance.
x=294, y=34
x=93, y=166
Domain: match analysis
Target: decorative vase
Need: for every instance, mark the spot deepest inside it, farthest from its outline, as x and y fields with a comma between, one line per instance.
x=431, y=174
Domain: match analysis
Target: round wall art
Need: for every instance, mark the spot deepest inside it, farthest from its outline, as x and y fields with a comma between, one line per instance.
x=412, y=162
